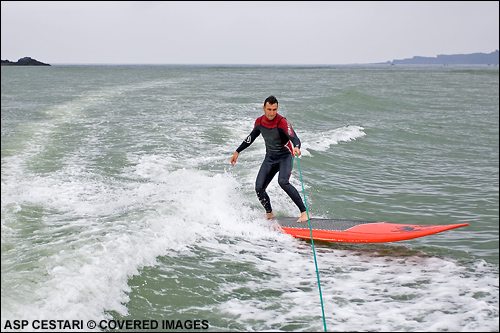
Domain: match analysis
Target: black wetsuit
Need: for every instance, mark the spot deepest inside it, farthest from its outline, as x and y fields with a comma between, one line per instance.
x=277, y=136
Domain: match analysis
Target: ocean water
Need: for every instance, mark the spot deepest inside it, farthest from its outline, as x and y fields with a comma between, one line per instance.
x=119, y=203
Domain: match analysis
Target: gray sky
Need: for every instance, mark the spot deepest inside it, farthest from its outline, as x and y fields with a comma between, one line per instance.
x=255, y=32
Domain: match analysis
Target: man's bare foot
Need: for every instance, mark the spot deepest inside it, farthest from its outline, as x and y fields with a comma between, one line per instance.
x=270, y=215
x=303, y=217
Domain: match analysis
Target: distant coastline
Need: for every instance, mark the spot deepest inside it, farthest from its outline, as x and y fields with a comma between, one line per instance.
x=442, y=59
x=452, y=59
x=26, y=61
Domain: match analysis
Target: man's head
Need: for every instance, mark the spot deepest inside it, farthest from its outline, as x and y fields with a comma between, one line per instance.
x=270, y=107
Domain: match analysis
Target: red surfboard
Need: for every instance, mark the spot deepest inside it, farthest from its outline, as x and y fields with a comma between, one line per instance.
x=346, y=231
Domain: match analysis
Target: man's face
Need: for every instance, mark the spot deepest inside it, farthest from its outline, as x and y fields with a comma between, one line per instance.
x=270, y=110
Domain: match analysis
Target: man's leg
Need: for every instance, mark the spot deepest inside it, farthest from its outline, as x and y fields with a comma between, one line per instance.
x=264, y=177
x=283, y=181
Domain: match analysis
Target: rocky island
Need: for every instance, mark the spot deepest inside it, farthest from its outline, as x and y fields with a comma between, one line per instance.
x=26, y=61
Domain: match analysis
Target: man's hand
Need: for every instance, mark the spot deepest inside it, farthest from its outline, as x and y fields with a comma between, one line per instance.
x=234, y=158
x=296, y=151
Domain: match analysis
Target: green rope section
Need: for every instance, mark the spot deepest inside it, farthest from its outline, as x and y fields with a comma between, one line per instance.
x=312, y=242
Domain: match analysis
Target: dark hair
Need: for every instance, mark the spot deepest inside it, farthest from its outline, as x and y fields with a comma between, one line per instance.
x=271, y=100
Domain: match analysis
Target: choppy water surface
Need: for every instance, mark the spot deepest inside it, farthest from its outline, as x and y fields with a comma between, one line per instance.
x=119, y=202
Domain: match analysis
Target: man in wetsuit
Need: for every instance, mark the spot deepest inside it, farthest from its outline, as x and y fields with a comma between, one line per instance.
x=277, y=133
